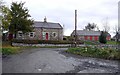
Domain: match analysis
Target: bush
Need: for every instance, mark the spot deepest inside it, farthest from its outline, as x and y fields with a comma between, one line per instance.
x=102, y=38
x=44, y=41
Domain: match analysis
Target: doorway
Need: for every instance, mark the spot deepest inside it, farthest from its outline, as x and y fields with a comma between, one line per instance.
x=46, y=36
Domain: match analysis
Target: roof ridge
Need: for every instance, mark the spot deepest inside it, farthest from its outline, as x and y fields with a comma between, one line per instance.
x=46, y=22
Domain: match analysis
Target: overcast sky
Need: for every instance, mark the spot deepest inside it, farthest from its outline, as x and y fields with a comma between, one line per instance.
x=62, y=11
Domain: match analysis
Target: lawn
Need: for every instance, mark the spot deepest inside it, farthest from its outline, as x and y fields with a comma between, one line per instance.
x=105, y=53
x=89, y=43
x=97, y=42
x=111, y=42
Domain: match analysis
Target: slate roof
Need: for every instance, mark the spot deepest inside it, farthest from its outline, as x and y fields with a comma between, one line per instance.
x=87, y=33
x=47, y=25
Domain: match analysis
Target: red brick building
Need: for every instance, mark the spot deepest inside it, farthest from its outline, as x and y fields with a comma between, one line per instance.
x=89, y=35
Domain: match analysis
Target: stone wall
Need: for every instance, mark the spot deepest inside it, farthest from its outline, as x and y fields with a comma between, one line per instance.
x=41, y=45
x=65, y=45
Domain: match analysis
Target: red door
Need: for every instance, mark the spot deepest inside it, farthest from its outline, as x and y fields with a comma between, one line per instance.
x=95, y=38
x=90, y=37
x=46, y=36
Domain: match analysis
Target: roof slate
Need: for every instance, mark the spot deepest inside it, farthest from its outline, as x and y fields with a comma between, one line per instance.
x=87, y=33
x=47, y=25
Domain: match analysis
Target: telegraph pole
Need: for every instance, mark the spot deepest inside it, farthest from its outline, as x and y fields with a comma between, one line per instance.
x=75, y=28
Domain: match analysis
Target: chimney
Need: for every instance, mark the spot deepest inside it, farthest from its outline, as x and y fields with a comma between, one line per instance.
x=45, y=19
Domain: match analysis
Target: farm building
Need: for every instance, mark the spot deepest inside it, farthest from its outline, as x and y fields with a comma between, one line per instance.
x=89, y=35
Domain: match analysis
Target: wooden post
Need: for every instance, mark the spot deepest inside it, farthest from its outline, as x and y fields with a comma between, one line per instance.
x=75, y=28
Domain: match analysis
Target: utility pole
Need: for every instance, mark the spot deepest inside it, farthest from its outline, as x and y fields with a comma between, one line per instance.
x=75, y=28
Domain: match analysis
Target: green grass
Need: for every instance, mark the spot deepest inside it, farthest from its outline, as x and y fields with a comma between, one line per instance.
x=111, y=42
x=10, y=50
x=93, y=43
x=105, y=53
x=7, y=49
x=89, y=43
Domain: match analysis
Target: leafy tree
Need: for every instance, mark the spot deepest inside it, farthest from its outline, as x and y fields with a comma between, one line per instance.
x=20, y=19
x=1, y=5
x=90, y=26
x=6, y=18
x=102, y=37
x=1, y=13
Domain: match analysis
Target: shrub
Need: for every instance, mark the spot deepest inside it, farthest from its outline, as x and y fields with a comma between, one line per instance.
x=102, y=38
x=44, y=41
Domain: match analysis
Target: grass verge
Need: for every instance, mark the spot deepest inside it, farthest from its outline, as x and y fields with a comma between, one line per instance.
x=14, y=50
x=105, y=53
x=7, y=49
x=10, y=50
x=112, y=42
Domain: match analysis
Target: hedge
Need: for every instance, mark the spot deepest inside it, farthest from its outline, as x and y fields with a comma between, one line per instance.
x=45, y=41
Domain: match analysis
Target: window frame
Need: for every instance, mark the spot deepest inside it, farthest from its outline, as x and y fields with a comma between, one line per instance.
x=33, y=34
x=20, y=34
x=55, y=34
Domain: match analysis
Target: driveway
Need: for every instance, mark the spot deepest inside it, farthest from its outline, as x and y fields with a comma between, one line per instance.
x=55, y=60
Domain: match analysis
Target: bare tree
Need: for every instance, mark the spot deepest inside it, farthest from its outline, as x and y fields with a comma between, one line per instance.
x=106, y=24
x=115, y=28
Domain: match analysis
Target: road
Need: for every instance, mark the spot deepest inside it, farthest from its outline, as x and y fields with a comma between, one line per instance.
x=55, y=60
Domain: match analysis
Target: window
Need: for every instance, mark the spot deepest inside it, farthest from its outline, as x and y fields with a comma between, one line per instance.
x=20, y=33
x=31, y=34
x=44, y=34
x=54, y=34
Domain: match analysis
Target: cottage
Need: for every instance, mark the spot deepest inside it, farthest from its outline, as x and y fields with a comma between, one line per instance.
x=43, y=31
x=89, y=35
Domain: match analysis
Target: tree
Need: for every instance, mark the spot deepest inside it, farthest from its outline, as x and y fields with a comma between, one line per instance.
x=1, y=13
x=20, y=19
x=116, y=32
x=6, y=18
x=90, y=26
x=106, y=26
x=1, y=5
x=115, y=28
x=102, y=37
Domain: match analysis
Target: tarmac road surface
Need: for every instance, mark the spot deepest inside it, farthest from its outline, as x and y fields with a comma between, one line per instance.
x=55, y=60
